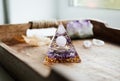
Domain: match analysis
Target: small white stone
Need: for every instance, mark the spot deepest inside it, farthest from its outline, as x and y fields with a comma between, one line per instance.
x=72, y=54
x=61, y=29
x=87, y=44
x=61, y=41
x=98, y=42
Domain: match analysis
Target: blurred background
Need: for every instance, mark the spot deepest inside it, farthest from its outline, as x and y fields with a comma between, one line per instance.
x=22, y=11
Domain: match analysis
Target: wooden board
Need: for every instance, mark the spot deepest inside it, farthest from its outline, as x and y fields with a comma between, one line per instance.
x=25, y=63
x=8, y=32
x=98, y=63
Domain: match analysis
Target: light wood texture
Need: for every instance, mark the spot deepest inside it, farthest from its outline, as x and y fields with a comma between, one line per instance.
x=33, y=56
x=11, y=32
x=26, y=63
x=98, y=63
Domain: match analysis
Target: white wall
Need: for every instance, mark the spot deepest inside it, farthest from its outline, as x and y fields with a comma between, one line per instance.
x=21, y=11
x=112, y=17
x=1, y=13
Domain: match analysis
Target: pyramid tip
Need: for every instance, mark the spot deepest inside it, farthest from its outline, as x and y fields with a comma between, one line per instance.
x=61, y=29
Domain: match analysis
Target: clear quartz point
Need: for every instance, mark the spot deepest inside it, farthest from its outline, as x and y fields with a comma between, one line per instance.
x=61, y=50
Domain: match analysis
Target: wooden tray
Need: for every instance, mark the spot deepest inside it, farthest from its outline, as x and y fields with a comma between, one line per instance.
x=25, y=63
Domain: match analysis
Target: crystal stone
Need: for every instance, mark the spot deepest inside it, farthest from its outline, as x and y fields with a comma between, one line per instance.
x=61, y=50
x=80, y=29
x=61, y=41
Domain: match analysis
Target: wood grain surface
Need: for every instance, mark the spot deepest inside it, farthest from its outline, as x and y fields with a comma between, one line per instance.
x=10, y=32
x=98, y=63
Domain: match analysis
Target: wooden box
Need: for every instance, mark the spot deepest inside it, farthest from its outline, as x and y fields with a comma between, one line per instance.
x=25, y=63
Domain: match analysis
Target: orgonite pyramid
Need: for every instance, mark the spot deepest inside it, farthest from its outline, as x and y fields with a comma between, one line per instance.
x=61, y=50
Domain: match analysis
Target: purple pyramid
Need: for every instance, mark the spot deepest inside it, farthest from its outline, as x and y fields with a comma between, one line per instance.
x=61, y=50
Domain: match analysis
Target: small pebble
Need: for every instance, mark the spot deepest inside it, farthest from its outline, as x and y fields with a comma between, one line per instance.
x=61, y=29
x=98, y=42
x=87, y=44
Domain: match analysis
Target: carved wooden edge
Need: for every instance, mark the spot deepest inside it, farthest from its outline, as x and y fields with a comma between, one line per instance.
x=5, y=49
x=22, y=71
x=103, y=32
x=16, y=67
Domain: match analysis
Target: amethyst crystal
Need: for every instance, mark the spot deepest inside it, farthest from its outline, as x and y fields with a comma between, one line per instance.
x=80, y=29
x=61, y=49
